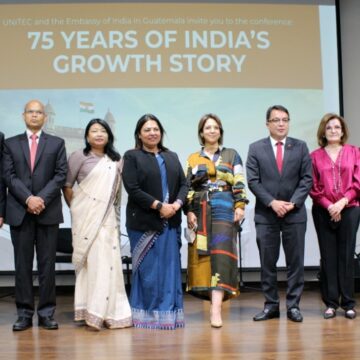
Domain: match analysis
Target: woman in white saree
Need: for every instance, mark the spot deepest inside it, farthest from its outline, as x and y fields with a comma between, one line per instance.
x=100, y=297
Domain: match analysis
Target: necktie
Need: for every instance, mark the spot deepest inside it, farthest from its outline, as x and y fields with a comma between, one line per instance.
x=279, y=155
x=33, y=149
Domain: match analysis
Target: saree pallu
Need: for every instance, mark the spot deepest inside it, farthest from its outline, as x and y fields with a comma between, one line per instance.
x=156, y=291
x=212, y=258
x=100, y=297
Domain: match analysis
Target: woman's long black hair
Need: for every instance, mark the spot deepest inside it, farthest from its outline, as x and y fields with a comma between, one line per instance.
x=140, y=124
x=109, y=149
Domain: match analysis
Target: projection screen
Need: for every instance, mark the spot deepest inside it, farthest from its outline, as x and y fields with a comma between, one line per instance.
x=120, y=60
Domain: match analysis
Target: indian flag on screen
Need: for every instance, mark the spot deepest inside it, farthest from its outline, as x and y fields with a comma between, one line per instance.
x=87, y=107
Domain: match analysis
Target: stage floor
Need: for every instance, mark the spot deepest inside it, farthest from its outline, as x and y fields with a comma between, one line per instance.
x=239, y=338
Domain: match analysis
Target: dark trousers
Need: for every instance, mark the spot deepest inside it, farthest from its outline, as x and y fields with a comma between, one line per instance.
x=269, y=238
x=337, y=247
x=43, y=238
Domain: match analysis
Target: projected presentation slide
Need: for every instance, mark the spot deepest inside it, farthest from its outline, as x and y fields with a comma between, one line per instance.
x=118, y=61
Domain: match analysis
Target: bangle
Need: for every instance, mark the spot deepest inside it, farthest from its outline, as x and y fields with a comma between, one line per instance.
x=346, y=200
x=179, y=202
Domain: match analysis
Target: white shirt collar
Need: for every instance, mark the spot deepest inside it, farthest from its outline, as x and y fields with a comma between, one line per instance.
x=29, y=133
x=274, y=142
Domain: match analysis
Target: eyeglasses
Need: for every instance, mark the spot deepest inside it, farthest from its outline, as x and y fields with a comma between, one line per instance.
x=37, y=112
x=277, y=120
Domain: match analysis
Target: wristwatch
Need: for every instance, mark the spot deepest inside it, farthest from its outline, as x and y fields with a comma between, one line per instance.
x=159, y=205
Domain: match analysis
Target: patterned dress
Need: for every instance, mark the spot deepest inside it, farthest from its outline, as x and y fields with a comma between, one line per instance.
x=216, y=189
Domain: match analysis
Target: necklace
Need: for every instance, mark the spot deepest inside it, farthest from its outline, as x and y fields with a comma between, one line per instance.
x=336, y=172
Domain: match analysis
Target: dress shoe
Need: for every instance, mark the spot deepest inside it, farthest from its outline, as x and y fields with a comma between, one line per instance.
x=294, y=314
x=22, y=323
x=267, y=314
x=329, y=313
x=350, y=314
x=48, y=323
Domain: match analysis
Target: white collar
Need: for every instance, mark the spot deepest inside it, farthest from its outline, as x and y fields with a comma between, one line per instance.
x=29, y=133
x=274, y=142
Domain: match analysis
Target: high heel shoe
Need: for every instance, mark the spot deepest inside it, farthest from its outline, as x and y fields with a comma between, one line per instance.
x=216, y=324
x=215, y=321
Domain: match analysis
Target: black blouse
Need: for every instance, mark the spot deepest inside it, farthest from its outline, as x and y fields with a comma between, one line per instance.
x=142, y=181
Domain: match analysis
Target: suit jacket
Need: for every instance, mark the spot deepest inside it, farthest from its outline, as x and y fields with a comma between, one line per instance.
x=142, y=181
x=2, y=184
x=267, y=184
x=46, y=180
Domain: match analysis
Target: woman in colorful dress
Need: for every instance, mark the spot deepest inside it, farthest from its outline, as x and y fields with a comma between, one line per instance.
x=156, y=187
x=215, y=206
x=100, y=297
x=336, y=212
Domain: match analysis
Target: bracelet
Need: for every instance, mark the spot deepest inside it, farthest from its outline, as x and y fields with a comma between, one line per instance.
x=346, y=200
x=179, y=202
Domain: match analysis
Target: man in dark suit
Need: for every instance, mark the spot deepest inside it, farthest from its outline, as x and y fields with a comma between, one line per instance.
x=2, y=185
x=279, y=174
x=35, y=167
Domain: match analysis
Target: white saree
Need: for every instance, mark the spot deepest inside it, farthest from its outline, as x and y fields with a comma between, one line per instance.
x=100, y=297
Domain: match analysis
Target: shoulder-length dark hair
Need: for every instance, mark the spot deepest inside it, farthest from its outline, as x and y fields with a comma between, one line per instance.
x=322, y=128
x=201, y=125
x=140, y=124
x=109, y=149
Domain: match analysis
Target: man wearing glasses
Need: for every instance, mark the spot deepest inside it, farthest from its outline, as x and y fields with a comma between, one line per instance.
x=35, y=167
x=279, y=175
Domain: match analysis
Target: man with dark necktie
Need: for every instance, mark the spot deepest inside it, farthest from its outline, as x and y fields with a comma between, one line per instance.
x=279, y=175
x=34, y=171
